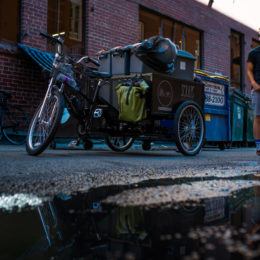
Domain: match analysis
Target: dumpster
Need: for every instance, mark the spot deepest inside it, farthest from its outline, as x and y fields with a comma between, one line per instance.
x=216, y=108
x=237, y=108
x=249, y=119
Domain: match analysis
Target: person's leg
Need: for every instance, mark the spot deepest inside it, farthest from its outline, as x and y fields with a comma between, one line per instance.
x=256, y=130
x=256, y=125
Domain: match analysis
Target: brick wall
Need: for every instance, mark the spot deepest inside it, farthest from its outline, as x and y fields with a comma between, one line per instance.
x=111, y=23
x=34, y=20
x=23, y=77
x=116, y=23
x=18, y=73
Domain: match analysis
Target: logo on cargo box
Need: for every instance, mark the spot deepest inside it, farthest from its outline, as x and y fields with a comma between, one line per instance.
x=187, y=91
x=165, y=93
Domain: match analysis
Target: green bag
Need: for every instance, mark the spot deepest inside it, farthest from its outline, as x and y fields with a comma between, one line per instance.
x=131, y=101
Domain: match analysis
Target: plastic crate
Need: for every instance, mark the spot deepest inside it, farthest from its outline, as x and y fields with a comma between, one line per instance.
x=184, y=66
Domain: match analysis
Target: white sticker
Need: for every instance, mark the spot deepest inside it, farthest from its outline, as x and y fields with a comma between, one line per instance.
x=182, y=65
x=214, y=88
x=238, y=113
x=215, y=100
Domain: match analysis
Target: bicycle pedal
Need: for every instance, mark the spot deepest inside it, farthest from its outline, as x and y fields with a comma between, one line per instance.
x=98, y=113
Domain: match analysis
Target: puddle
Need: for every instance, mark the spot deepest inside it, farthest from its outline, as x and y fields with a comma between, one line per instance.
x=159, y=219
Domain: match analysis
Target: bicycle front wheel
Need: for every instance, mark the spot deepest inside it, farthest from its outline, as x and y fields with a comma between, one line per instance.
x=15, y=124
x=43, y=127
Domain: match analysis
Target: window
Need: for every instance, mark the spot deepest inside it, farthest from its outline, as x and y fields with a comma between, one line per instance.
x=167, y=28
x=141, y=31
x=65, y=20
x=178, y=38
x=151, y=24
x=236, y=60
x=192, y=43
x=9, y=20
x=75, y=21
x=188, y=39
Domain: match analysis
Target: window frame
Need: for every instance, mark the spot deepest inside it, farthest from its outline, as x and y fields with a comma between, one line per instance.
x=241, y=53
x=80, y=26
x=83, y=29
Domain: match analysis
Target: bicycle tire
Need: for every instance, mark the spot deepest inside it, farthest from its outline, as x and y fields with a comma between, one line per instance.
x=42, y=130
x=15, y=123
x=119, y=144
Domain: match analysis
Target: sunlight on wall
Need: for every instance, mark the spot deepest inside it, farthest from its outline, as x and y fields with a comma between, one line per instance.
x=244, y=11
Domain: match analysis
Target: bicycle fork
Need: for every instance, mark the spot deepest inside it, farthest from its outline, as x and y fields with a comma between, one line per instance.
x=47, y=95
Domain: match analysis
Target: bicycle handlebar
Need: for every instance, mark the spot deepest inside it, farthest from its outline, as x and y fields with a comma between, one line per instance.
x=93, y=61
x=87, y=59
x=51, y=38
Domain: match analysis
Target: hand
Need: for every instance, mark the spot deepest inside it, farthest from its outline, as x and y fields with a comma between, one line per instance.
x=256, y=86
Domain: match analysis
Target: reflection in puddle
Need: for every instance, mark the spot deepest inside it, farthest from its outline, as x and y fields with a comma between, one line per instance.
x=19, y=201
x=111, y=223
x=179, y=193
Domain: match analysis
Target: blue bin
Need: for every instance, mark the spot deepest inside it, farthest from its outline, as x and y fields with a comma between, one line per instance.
x=216, y=109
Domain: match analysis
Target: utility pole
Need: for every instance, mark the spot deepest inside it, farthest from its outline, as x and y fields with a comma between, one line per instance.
x=210, y=3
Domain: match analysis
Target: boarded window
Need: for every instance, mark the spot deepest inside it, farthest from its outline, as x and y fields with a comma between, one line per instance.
x=192, y=43
x=178, y=35
x=65, y=19
x=236, y=61
x=167, y=28
x=188, y=39
x=151, y=23
x=9, y=21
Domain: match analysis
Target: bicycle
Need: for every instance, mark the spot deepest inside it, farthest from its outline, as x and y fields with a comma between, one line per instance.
x=14, y=120
x=63, y=90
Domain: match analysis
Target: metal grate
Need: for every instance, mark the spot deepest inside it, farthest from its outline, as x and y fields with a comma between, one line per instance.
x=43, y=59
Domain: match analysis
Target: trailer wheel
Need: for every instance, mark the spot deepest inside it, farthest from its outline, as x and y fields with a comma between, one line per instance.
x=119, y=143
x=189, y=128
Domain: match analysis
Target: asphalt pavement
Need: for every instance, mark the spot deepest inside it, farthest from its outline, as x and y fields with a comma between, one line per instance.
x=68, y=170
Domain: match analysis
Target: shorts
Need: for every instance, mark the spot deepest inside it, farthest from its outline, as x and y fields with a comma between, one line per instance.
x=256, y=101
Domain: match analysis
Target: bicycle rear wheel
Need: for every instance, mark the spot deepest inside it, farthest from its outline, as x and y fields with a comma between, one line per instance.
x=15, y=124
x=42, y=129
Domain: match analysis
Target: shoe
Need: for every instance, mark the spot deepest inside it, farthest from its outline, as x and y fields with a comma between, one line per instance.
x=258, y=152
x=73, y=144
x=188, y=145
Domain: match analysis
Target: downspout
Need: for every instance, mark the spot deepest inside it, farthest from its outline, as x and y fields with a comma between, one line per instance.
x=85, y=29
x=210, y=3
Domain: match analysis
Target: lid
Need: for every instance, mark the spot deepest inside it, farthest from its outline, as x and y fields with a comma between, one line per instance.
x=211, y=74
x=185, y=54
